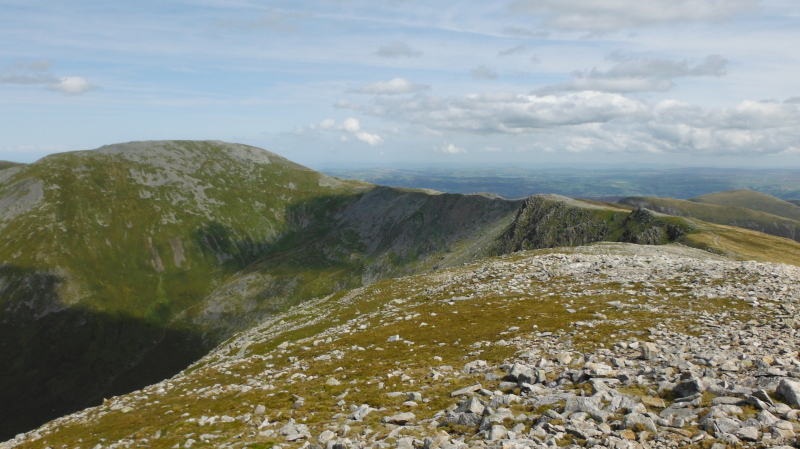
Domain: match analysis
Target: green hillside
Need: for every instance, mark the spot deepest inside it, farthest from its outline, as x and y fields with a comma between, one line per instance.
x=751, y=199
x=120, y=266
x=725, y=215
x=7, y=164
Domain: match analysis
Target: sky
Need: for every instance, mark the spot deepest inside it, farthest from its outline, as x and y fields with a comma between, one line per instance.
x=401, y=83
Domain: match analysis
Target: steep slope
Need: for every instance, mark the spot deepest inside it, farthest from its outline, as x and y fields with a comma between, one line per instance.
x=116, y=264
x=751, y=199
x=721, y=214
x=547, y=221
x=612, y=345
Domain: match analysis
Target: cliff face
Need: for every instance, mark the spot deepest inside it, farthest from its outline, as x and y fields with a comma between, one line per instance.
x=547, y=221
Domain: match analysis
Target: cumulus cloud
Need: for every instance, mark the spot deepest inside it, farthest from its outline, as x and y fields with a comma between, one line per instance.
x=647, y=74
x=392, y=87
x=324, y=125
x=449, y=149
x=38, y=73
x=371, y=139
x=483, y=73
x=397, y=50
x=73, y=85
x=607, y=122
x=603, y=16
x=351, y=126
x=792, y=100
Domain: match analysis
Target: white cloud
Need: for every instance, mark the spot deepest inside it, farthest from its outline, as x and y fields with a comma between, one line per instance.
x=646, y=74
x=449, y=149
x=397, y=50
x=607, y=122
x=603, y=16
x=324, y=125
x=507, y=112
x=372, y=139
x=792, y=100
x=351, y=125
x=73, y=85
x=394, y=86
x=483, y=73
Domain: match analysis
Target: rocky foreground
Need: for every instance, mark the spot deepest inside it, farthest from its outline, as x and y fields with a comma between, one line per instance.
x=612, y=345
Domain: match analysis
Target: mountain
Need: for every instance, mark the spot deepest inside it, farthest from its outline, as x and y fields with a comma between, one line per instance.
x=742, y=217
x=117, y=263
x=752, y=200
x=121, y=266
x=607, y=345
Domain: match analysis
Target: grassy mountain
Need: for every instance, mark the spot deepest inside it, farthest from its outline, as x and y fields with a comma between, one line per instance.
x=122, y=265
x=741, y=217
x=751, y=199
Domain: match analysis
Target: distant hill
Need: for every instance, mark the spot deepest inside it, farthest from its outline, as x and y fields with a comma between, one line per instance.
x=751, y=199
x=726, y=215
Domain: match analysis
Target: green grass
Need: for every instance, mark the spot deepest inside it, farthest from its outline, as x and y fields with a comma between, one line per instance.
x=730, y=215
x=751, y=199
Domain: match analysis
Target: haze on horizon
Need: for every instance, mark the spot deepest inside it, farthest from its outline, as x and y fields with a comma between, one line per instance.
x=403, y=82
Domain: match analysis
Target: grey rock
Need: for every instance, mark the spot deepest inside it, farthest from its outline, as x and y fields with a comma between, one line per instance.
x=632, y=419
x=747, y=434
x=790, y=390
x=497, y=432
x=401, y=419
x=472, y=405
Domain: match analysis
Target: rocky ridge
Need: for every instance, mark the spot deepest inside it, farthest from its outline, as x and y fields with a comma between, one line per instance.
x=610, y=345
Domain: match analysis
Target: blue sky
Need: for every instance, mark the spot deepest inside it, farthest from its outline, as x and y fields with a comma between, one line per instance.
x=338, y=83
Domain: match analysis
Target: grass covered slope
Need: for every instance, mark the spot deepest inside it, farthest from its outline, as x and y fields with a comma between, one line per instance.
x=741, y=217
x=751, y=199
x=120, y=266
x=101, y=250
x=341, y=366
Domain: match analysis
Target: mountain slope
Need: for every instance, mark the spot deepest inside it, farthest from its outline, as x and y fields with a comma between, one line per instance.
x=751, y=199
x=726, y=215
x=108, y=258
x=610, y=344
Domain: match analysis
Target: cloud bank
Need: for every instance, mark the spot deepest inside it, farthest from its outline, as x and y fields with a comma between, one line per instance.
x=591, y=121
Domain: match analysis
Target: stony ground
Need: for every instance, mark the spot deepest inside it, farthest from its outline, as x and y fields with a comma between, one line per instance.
x=617, y=346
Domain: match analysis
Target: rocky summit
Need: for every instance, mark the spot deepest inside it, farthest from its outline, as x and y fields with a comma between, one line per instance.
x=607, y=345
